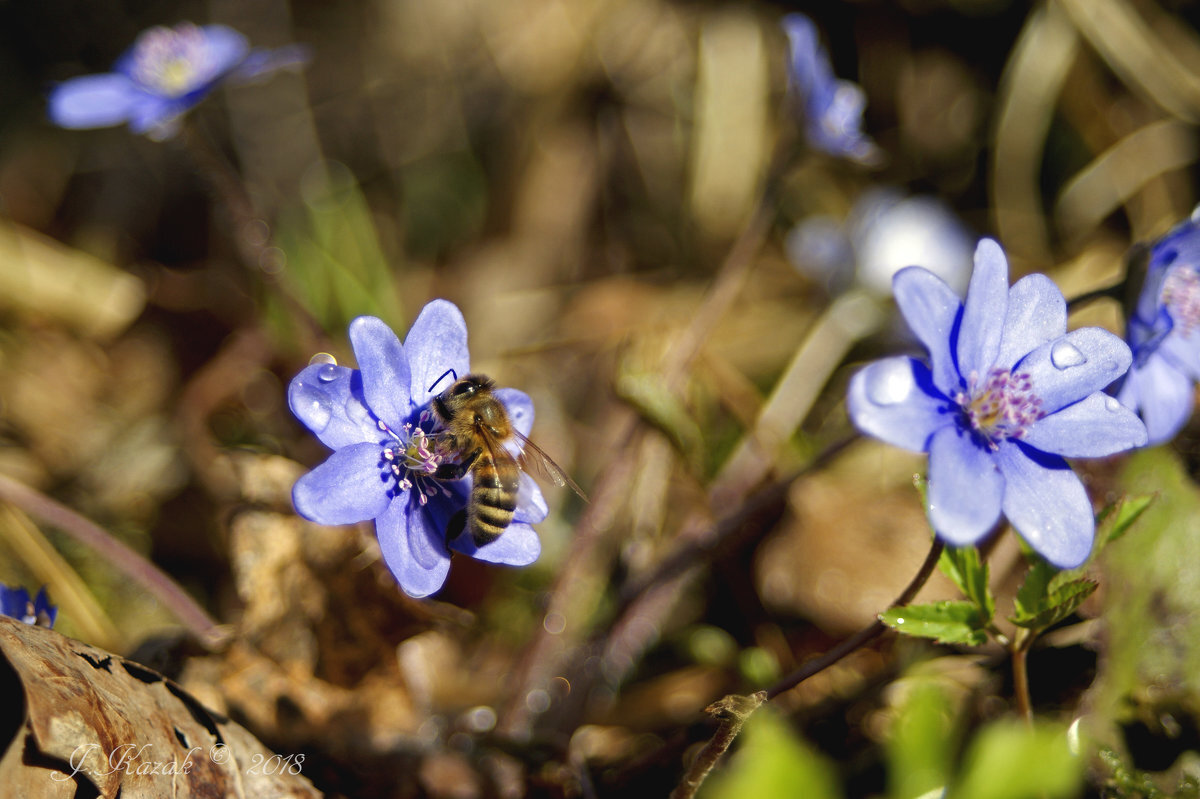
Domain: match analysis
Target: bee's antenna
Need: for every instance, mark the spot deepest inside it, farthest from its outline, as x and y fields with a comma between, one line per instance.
x=453, y=374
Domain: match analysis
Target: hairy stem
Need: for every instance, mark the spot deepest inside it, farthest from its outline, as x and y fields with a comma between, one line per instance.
x=731, y=714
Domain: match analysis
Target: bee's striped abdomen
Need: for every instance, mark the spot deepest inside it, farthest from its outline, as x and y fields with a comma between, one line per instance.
x=493, y=497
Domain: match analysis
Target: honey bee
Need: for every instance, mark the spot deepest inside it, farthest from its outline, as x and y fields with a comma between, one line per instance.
x=476, y=430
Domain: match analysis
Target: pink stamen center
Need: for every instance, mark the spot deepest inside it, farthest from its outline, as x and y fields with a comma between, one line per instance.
x=1003, y=406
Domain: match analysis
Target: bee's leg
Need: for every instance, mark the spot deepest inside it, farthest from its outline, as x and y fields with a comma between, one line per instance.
x=456, y=525
x=455, y=471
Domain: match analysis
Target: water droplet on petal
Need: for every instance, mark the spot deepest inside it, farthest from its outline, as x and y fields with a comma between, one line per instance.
x=322, y=357
x=899, y=620
x=1111, y=404
x=313, y=406
x=1064, y=355
x=327, y=373
x=889, y=382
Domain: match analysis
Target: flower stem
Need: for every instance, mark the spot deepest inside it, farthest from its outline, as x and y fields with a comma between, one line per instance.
x=864, y=635
x=731, y=713
x=173, y=597
x=1019, y=650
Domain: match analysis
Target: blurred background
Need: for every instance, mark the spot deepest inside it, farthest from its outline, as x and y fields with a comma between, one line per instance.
x=574, y=175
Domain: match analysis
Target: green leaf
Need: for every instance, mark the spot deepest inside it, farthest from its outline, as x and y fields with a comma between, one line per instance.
x=648, y=394
x=968, y=571
x=1116, y=519
x=1061, y=602
x=921, y=742
x=1011, y=760
x=1033, y=594
x=771, y=760
x=945, y=622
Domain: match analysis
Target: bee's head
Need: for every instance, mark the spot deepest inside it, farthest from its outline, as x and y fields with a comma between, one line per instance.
x=470, y=385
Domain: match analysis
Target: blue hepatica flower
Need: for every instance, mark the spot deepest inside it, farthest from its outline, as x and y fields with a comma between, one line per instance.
x=15, y=602
x=1164, y=333
x=165, y=74
x=1007, y=394
x=831, y=108
x=378, y=422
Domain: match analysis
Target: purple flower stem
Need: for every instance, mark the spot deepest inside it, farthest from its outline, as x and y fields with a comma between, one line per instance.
x=134, y=565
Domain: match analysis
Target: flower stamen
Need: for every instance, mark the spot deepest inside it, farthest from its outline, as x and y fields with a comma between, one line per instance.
x=411, y=457
x=1181, y=296
x=171, y=61
x=1003, y=406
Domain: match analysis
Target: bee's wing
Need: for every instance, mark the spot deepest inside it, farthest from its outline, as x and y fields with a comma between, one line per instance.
x=533, y=459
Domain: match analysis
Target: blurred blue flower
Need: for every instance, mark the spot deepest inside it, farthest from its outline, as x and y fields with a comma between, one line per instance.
x=15, y=602
x=1164, y=333
x=831, y=109
x=378, y=422
x=162, y=76
x=884, y=232
x=1006, y=396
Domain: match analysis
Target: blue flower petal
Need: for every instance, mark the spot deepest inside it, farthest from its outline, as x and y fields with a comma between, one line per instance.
x=965, y=487
x=1074, y=366
x=1046, y=503
x=260, y=64
x=13, y=601
x=1183, y=351
x=436, y=342
x=384, y=366
x=531, y=505
x=226, y=50
x=931, y=309
x=348, y=487
x=983, y=312
x=1095, y=426
x=1163, y=394
x=518, y=545
x=92, y=101
x=328, y=399
x=519, y=407
x=413, y=548
x=895, y=401
x=1037, y=314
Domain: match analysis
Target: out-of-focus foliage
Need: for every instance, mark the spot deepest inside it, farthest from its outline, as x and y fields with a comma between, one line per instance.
x=774, y=762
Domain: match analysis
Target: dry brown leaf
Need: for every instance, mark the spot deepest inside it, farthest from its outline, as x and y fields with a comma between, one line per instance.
x=93, y=717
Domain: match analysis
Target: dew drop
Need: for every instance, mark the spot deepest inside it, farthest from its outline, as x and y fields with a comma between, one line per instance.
x=889, y=382
x=322, y=357
x=899, y=620
x=1111, y=404
x=1065, y=355
x=327, y=373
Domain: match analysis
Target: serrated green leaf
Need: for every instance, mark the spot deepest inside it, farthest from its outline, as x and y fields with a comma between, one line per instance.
x=1011, y=760
x=1034, y=592
x=969, y=572
x=1116, y=519
x=1061, y=602
x=945, y=622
